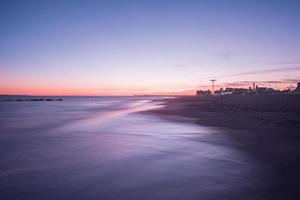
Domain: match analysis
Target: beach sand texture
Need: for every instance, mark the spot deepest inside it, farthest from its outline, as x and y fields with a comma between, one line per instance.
x=264, y=126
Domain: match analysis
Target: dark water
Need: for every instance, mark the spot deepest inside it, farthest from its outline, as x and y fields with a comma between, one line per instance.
x=103, y=148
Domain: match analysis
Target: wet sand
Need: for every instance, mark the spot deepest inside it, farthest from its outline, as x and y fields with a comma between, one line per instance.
x=266, y=127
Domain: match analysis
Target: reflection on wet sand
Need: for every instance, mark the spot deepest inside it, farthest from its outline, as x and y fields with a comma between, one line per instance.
x=118, y=153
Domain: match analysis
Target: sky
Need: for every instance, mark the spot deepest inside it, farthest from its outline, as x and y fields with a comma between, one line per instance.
x=70, y=47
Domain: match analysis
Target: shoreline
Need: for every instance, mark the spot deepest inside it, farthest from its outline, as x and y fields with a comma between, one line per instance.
x=265, y=126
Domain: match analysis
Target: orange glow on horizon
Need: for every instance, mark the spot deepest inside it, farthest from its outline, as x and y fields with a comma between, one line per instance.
x=92, y=91
x=20, y=84
x=48, y=91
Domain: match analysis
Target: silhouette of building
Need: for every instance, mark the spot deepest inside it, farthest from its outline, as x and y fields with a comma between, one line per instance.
x=297, y=88
x=203, y=92
x=260, y=89
x=236, y=91
x=255, y=89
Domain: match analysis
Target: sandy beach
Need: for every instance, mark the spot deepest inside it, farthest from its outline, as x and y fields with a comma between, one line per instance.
x=132, y=148
x=266, y=127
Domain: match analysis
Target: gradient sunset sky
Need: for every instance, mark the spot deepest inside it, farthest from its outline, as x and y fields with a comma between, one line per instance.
x=69, y=47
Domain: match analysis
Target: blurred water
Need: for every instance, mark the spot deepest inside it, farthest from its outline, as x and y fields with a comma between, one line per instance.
x=103, y=148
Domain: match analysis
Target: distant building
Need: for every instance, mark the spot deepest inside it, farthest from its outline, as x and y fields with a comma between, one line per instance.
x=297, y=88
x=255, y=89
x=236, y=91
x=260, y=89
x=219, y=92
x=271, y=90
x=202, y=92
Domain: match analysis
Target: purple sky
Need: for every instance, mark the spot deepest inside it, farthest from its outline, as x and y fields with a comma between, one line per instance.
x=137, y=47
